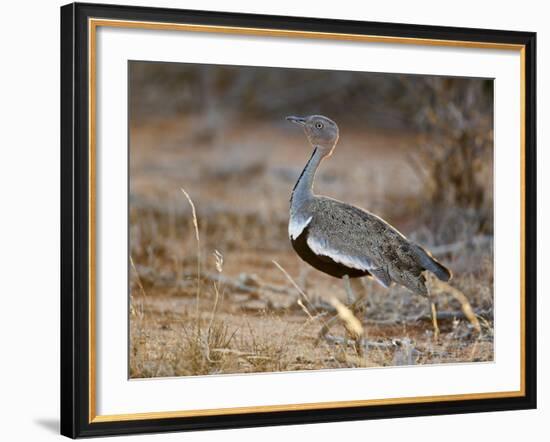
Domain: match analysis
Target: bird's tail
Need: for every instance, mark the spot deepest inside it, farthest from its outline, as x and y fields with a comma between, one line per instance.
x=433, y=265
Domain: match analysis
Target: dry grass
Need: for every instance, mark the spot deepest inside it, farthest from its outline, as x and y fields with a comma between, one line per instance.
x=216, y=288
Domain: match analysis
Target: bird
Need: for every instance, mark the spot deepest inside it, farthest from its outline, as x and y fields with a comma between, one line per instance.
x=345, y=241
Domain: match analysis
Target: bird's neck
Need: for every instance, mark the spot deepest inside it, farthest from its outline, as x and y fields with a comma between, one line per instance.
x=303, y=190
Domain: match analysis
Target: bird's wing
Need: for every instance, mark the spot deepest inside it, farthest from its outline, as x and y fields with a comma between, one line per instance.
x=321, y=245
x=335, y=232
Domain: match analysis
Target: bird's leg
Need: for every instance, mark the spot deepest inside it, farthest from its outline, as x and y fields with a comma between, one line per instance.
x=359, y=306
x=433, y=305
x=351, y=299
x=349, y=290
x=354, y=305
x=359, y=310
x=434, y=320
x=327, y=326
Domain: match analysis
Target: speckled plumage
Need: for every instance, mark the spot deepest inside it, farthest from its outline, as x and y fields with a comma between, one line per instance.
x=363, y=238
x=341, y=239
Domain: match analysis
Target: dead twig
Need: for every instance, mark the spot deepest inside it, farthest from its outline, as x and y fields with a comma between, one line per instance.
x=245, y=283
x=438, y=287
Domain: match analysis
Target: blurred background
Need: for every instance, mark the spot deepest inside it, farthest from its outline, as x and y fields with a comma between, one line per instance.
x=416, y=150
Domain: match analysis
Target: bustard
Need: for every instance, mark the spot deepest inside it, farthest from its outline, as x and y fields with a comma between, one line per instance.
x=345, y=241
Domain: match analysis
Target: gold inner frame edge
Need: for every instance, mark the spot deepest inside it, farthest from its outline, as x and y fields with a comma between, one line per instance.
x=93, y=23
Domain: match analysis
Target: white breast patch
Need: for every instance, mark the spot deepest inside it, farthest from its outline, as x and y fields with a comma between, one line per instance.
x=296, y=226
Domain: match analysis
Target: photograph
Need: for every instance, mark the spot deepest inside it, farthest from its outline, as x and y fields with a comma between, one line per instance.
x=286, y=219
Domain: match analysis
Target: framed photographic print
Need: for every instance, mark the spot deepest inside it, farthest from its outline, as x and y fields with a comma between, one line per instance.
x=279, y=220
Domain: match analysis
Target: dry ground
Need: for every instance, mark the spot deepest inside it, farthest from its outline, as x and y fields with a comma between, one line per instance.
x=242, y=314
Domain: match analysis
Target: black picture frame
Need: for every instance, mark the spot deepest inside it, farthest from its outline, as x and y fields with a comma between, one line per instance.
x=75, y=194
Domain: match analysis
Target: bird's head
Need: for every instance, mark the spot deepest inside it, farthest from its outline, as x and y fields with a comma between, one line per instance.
x=320, y=131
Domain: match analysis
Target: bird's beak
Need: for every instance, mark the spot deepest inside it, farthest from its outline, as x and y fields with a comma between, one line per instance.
x=298, y=120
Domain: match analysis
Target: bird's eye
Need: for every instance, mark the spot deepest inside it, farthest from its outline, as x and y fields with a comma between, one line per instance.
x=319, y=125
